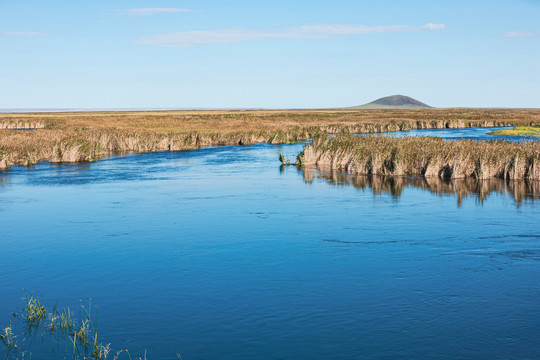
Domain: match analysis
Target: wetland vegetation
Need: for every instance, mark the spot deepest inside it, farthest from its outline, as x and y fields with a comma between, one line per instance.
x=86, y=136
x=424, y=156
x=519, y=131
x=73, y=335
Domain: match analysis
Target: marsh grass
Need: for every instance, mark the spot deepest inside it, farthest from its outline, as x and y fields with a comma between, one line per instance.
x=9, y=338
x=59, y=326
x=66, y=323
x=424, y=156
x=33, y=312
x=75, y=137
x=284, y=160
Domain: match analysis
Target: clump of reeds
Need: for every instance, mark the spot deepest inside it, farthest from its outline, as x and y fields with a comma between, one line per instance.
x=9, y=339
x=33, y=312
x=58, y=326
x=424, y=156
x=284, y=160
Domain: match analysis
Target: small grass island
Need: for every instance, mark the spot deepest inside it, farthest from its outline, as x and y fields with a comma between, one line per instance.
x=519, y=131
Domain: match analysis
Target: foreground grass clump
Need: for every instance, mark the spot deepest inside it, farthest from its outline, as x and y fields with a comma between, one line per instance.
x=424, y=156
x=33, y=312
x=519, y=131
x=86, y=136
x=9, y=339
x=59, y=331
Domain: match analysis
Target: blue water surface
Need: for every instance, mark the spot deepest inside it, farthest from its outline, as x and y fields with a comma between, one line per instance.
x=219, y=253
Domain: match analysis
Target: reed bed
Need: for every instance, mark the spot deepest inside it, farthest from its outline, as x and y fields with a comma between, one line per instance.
x=86, y=136
x=424, y=156
x=28, y=148
x=234, y=120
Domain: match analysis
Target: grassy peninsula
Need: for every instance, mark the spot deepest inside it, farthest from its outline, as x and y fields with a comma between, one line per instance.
x=85, y=136
x=424, y=157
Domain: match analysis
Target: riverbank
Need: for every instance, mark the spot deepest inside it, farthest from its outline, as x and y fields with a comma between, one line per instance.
x=75, y=137
x=424, y=156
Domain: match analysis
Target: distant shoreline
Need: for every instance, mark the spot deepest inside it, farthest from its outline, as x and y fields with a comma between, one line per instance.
x=105, y=110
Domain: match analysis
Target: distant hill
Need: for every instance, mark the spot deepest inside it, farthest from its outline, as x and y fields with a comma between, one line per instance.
x=394, y=102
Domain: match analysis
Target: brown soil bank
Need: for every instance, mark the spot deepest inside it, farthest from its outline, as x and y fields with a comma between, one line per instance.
x=85, y=136
x=424, y=156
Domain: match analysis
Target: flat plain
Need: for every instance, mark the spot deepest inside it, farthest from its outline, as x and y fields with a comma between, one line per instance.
x=86, y=136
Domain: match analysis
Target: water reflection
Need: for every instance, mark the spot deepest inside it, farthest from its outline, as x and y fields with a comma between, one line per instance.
x=461, y=188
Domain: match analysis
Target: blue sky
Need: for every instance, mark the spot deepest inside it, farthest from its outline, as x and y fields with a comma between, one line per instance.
x=268, y=54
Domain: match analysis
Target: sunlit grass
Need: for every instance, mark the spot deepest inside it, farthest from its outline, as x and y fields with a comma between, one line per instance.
x=519, y=131
x=75, y=137
x=33, y=312
x=9, y=339
x=424, y=156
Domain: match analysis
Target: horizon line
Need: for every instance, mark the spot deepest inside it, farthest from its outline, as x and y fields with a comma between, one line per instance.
x=351, y=108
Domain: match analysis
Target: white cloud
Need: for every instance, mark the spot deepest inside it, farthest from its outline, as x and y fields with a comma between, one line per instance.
x=433, y=27
x=150, y=11
x=25, y=33
x=520, y=34
x=321, y=31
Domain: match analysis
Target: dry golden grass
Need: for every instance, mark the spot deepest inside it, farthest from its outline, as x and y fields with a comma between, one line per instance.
x=83, y=136
x=256, y=120
x=424, y=156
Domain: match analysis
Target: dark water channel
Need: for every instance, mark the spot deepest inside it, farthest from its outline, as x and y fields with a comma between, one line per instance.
x=218, y=253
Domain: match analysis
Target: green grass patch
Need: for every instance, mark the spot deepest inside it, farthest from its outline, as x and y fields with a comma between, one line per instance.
x=518, y=131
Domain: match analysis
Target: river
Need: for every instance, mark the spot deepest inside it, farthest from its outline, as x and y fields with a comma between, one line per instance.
x=220, y=253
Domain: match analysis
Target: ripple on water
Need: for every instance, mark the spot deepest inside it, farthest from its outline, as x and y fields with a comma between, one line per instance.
x=217, y=254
